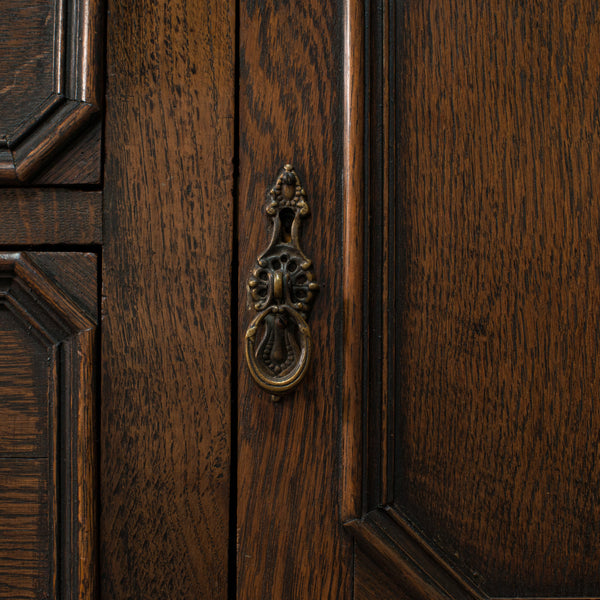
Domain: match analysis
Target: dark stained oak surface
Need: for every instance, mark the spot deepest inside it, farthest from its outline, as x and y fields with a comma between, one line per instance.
x=50, y=216
x=23, y=390
x=27, y=67
x=24, y=529
x=167, y=259
x=498, y=333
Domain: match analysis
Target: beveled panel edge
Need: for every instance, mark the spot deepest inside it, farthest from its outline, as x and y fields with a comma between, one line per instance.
x=79, y=355
x=402, y=553
x=43, y=112
x=44, y=141
x=76, y=100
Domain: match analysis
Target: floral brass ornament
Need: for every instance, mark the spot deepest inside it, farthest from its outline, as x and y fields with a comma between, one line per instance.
x=282, y=288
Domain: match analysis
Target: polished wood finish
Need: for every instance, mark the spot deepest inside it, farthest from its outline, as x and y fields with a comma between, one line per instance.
x=485, y=475
x=290, y=542
x=353, y=254
x=48, y=314
x=50, y=92
x=166, y=384
x=443, y=443
x=44, y=216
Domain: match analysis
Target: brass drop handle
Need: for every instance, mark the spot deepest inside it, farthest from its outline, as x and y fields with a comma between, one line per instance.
x=282, y=289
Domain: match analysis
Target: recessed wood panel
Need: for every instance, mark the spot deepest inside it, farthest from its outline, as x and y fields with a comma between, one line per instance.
x=499, y=328
x=28, y=57
x=24, y=389
x=25, y=530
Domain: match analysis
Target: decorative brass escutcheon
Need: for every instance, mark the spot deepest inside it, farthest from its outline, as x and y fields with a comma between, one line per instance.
x=282, y=289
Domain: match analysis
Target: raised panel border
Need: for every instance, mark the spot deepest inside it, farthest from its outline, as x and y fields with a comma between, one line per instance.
x=75, y=101
x=71, y=334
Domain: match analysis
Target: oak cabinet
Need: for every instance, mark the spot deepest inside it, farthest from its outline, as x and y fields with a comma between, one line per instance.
x=443, y=442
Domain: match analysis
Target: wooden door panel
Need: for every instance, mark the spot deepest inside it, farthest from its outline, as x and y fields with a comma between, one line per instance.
x=51, y=92
x=479, y=455
x=47, y=451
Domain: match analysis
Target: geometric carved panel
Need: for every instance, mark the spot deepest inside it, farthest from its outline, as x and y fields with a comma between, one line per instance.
x=50, y=57
x=47, y=512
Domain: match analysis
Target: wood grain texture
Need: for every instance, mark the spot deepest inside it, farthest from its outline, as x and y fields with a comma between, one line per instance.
x=27, y=65
x=48, y=513
x=497, y=338
x=80, y=160
x=290, y=541
x=24, y=529
x=50, y=216
x=24, y=383
x=50, y=85
x=370, y=581
x=166, y=299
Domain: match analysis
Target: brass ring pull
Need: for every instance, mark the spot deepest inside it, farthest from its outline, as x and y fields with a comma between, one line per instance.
x=282, y=288
x=263, y=368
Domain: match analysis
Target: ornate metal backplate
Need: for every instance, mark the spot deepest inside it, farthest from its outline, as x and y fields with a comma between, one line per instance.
x=282, y=288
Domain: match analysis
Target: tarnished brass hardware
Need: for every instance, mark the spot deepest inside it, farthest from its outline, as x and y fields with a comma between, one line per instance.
x=281, y=288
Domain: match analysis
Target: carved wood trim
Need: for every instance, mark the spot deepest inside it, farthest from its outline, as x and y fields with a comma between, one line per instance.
x=353, y=249
x=75, y=101
x=70, y=336
x=369, y=291
x=369, y=254
x=400, y=551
